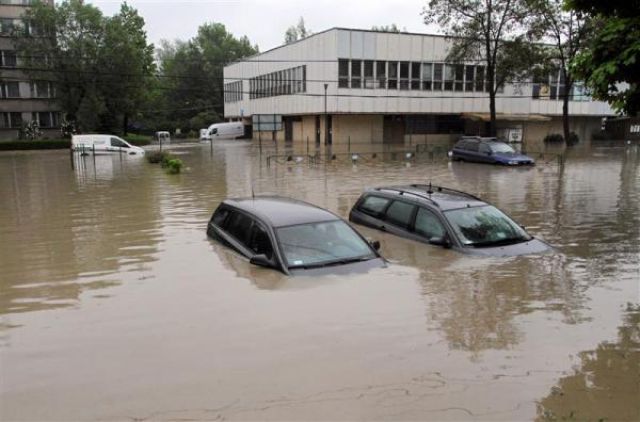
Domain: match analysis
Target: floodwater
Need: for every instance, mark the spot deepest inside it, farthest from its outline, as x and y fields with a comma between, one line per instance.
x=114, y=304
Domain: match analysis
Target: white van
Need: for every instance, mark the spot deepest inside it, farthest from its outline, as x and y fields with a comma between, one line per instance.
x=230, y=130
x=204, y=135
x=103, y=144
x=163, y=137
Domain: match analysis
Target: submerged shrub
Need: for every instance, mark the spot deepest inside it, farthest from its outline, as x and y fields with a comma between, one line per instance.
x=174, y=165
x=156, y=157
x=554, y=138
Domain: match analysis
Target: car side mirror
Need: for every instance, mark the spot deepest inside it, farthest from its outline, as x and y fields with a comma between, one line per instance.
x=375, y=244
x=261, y=260
x=440, y=241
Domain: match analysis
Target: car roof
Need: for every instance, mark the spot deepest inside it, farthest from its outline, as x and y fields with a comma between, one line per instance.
x=280, y=211
x=438, y=196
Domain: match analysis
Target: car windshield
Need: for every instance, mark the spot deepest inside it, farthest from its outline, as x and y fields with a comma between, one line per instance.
x=501, y=148
x=320, y=244
x=485, y=226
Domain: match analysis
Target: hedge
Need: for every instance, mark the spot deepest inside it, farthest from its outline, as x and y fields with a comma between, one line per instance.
x=138, y=140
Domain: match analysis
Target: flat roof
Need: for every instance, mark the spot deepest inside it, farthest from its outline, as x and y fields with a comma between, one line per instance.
x=281, y=211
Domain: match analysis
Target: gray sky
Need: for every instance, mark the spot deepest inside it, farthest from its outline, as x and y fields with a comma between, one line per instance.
x=265, y=22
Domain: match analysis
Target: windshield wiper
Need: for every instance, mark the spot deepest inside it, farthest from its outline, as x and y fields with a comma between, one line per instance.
x=501, y=242
x=331, y=263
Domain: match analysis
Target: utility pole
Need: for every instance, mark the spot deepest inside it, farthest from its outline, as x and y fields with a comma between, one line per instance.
x=326, y=118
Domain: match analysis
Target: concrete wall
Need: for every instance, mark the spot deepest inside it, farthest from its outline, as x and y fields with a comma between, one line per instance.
x=535, y=132
x=358, y=129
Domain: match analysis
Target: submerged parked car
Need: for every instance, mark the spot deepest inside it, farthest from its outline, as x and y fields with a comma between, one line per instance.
x=444, y=217
x=292, y=236
x=488, y=150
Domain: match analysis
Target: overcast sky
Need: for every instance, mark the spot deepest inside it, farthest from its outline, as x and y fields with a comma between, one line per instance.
x=265, y=22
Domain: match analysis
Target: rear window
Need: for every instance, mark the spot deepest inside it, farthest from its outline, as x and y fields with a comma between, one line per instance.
x=400, y=213
x=219, y=216
x=374, y=205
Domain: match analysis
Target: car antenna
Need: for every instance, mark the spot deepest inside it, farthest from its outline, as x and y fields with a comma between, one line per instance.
x=429, y=189
x=253, y=195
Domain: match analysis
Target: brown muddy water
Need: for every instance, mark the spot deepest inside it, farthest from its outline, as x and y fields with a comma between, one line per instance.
x=114, y=304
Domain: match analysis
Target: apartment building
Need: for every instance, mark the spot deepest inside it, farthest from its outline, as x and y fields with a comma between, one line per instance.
x=22, y=100
x=350, y=85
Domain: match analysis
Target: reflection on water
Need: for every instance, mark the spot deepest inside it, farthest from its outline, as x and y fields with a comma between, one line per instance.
x=109, y=263
x=606, y=385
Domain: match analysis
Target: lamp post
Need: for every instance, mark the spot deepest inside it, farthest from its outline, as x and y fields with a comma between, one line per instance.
x=326, y=121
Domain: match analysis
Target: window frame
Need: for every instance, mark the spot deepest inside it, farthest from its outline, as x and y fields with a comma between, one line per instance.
x=396, y=223
x=435, y=215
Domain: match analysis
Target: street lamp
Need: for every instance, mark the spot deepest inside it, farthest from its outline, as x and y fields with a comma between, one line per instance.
x=326, y=121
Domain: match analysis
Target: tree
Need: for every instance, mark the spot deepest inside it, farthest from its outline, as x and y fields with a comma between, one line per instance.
x=388, y=28
x=567, y=32
x=489, y=31
x=297, y=32
x=612, y=55
x=99, y=65
x=191, y=75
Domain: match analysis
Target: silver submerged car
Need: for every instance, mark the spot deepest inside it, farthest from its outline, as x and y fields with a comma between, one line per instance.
x=292, y=236
x=444, y=217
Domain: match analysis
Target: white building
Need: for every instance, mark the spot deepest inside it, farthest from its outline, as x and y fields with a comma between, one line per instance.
x=359, y=86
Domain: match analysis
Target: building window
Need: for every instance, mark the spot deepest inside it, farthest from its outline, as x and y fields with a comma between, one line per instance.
x=393, y=75
x=381, y=74
x=415, y=75
x=469, y=71
x=459, y=77
x=7, y=25
x=356, y=73
x=46, y=119
x=343, y=73
x=10, y=90
x=284, y=82
x=17, y=2
x=437, y=76
x=41, y=89
x=369, y=81
x=16, y=119
x=233, y=92
x=479, y=78
x=404, y=75
x=448, y=77
x=8, y=58
x=427, y=76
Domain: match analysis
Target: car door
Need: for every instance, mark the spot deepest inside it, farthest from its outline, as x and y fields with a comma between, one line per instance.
x=428, y=225
x=472, y=151
x=485, y=154
x=236, y=232
x=398, y=217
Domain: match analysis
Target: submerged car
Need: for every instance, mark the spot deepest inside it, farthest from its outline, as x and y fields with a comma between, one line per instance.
x=292, y=236
x=446, y=217
x=488, y=150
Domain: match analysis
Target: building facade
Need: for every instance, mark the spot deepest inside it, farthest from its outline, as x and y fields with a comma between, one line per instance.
x=21, y=99
x=359, y=86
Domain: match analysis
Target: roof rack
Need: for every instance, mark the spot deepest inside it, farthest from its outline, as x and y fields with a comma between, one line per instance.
x=445, y=189
x=402, y=192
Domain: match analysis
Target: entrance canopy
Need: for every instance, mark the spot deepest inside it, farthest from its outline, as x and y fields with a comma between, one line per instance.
x=485, y=117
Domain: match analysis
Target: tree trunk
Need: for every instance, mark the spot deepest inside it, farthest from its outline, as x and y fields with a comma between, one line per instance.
x=492, y=110
x=565, y=110
x=125, y=124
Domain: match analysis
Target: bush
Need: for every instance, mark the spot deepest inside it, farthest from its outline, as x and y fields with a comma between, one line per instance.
x=554, y=138
x=138, y=140
x=156, y=157
x=573, y=138
x=39, y=144
x=174, y=165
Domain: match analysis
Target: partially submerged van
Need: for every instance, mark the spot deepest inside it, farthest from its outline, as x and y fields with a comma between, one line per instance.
x=230, y=130
x=163, y=137
x=204, y=135
x=103, y=144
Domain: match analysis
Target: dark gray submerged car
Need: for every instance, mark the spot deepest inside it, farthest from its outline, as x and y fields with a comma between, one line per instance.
x=444, y=217
x=292, y=236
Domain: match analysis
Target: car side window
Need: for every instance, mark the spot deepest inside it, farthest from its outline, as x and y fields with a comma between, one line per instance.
x=115, y=142
x=485, y=149
x=428, y=225
x=472, y=146
x=374, y=205
x=238, y=225
x=400, y=213
x=259, y=241
x=220, y=216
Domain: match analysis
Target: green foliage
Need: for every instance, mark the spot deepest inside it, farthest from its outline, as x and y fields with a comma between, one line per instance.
x=492, y=33
x=138, y=140
x=388, y=28
x=192, y=83
x=297, y=32
x=157, y=157
x=32, y=145
x=30, y=130
x=613, y=54
x=554, y=138
x=174, y=166
x=100, y=65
